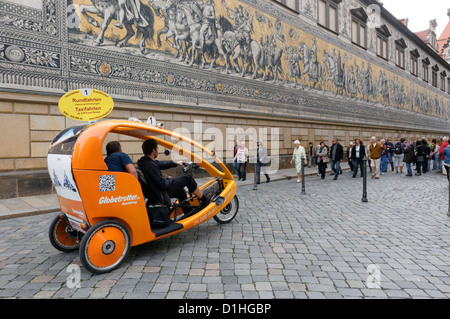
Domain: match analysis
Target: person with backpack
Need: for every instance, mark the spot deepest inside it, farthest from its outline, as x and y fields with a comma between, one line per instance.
x=399, y=149
x=409, y=157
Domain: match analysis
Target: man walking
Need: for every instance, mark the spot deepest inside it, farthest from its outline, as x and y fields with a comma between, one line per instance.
x=349, y=155
x=337, y=155
x=358, y=153
x=375, y=154
x=261, y=161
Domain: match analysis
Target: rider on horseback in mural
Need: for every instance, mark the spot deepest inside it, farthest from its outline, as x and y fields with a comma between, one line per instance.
x=131, y=10
x=208, y=22
x=313, y=57
x=242, y=26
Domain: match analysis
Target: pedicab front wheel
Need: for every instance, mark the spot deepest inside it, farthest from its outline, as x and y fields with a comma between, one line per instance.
x=62, y=236
x=104, y=246
x=229, y=212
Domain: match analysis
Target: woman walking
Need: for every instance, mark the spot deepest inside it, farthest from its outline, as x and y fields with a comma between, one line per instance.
x=241, y=158
x=298, y=153
x=322, y=155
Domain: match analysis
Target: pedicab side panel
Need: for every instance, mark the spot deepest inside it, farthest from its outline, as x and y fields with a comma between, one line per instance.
x=115, y=195
x=59, y=167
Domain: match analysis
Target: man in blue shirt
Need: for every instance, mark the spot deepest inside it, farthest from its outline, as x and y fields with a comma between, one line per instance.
x=118, y=161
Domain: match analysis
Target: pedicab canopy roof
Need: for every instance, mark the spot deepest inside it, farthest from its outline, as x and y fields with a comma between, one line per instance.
x=85, y=143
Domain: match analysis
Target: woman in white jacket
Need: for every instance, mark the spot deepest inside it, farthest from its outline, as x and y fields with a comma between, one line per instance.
x=241, y=158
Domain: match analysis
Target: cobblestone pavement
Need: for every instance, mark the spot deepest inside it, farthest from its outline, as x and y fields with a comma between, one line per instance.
x=281, y=245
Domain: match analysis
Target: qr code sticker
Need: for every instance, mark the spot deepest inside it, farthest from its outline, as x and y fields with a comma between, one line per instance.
x=106, y=183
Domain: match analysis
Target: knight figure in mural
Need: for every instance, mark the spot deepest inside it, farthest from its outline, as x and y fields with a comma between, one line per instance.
x=242, y=26
x=131, y=10
x=136, y=17
x=208, y=21
x=312, y=68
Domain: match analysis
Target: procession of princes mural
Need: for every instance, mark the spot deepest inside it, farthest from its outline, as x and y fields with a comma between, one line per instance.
x=230, y=37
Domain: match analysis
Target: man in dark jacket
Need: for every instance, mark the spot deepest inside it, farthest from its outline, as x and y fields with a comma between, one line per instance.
x=161, y=189
x=357, y=155
x=336, y=155
x=409, y=157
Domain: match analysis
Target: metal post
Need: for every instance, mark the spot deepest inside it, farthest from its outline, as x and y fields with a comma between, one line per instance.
x=255, y=187
x=364, y=196
x=303, y=175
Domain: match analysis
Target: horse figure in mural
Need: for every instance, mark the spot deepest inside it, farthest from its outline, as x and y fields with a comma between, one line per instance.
x=167, y=9
x=383, y=88
x=335, y=70
x=365, y=82
x=312, y=68
x=128, y=13
x=201, y=43
x=272, y=58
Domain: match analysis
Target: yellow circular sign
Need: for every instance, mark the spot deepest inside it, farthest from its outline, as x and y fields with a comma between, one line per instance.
x=86, y=104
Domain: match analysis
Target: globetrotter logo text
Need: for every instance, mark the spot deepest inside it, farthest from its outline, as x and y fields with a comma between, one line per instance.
x=125, y=200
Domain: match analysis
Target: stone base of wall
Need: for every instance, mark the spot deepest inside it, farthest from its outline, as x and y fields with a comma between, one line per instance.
x=25, y=183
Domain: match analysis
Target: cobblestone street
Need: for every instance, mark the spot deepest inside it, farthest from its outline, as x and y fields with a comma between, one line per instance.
x=281, y=245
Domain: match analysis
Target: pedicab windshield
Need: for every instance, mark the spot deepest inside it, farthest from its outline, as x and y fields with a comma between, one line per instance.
x=64, y=142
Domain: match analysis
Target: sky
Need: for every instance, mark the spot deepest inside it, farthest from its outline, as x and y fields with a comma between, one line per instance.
x=420, y=12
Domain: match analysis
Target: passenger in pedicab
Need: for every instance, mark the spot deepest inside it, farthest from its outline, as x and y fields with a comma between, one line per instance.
x=162, y=189
x=117, y=161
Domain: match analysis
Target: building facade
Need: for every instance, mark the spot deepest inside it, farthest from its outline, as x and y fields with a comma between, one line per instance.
x=315, y=69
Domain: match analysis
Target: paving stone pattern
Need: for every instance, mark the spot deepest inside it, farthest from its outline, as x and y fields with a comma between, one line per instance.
x=281, y=245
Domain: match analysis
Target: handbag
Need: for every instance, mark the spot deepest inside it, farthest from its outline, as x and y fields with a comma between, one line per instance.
x=420, y=158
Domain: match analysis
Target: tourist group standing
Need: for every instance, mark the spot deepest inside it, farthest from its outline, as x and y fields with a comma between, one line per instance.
x=424, y=155
x=380, y=154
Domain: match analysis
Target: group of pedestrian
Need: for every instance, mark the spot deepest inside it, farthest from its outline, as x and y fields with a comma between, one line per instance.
x=425, y=155
x=379, y=154
x=428, y=156
x=318, y=156
x=241, y=158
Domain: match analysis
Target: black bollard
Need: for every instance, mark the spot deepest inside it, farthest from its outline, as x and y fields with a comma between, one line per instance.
x=364, y=196
x=255, y=187
x=303, y=176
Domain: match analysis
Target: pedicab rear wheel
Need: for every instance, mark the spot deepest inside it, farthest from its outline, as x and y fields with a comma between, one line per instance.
x=62, y=236
x=229, y=212
x=104, y=246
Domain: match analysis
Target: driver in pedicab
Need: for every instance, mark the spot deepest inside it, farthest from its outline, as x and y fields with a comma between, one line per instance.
x=162, y=189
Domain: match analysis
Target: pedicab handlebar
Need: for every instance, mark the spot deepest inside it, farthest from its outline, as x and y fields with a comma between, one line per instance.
x=188, y=166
